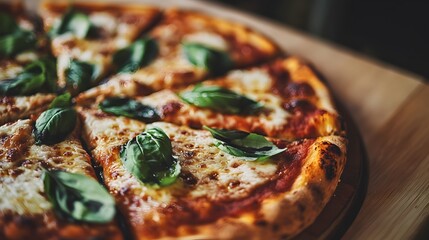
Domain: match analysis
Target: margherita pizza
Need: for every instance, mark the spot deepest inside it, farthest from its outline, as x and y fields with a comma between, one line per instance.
x=201, y=129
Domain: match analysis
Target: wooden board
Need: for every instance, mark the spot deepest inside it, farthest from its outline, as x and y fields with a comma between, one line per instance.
x=345, y=204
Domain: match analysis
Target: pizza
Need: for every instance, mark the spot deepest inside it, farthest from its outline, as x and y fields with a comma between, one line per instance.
x=134, y=122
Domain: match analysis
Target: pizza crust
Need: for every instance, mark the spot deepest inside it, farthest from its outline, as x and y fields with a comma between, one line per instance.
x=285, y=215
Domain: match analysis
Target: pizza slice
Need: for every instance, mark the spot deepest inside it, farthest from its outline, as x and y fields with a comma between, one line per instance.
x=189, y=46
x=172, y=181
x=85, y=35
x=26, y=80
x=26, y=208
x=283, y=99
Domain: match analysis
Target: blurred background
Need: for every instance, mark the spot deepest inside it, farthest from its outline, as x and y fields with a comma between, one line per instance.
x=395, y=32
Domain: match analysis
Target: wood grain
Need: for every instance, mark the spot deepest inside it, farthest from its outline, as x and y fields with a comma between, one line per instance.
x=398, y=194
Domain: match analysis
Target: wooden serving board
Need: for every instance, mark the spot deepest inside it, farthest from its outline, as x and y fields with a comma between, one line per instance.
x=345, y=204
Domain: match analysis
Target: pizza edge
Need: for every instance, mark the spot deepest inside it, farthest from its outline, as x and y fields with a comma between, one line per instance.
x=288, y=213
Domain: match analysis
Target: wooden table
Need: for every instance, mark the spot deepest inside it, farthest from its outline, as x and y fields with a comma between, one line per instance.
x=391, y=109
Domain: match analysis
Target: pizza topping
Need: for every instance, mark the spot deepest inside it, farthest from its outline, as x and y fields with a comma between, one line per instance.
x=250, y=146
x=37, y=76
x=206, y=57
x=208, y=39
x=78, y=197
x=61, y=101
x=54, y=125
x=149, y=158
x=74, y=22
x=80, y=75
x=138, y=54
x=129, y=108
x=14, y=39
x=221, y=100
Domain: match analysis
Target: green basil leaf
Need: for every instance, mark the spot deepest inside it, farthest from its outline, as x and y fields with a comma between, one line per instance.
x=7, y=24
x=129, y=108
x=138, y=54
x=202, y=56
x=38, y=76
x=54, y=124
x=149, y=157
x=17, y=42
x=80, y=76
x=61, y=101
x=77, y=197
x=250, y=146
x=221, y=100
x=74, y=22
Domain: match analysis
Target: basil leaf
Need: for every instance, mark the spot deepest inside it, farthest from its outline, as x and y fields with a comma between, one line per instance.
x=74, y=22
x=209, y=58
x=129, y=108
x=37, y=76
x=13, y=39
x=149, y=157
x=138, y=54
x=250, y=146
x=78, y=197
x=221, y=100
x=61, y=101
x=17, y=42
x=7, y=24
x=80, y=76
x=54, y=124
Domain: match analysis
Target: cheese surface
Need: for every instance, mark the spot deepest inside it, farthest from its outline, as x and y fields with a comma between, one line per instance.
x=21, y=186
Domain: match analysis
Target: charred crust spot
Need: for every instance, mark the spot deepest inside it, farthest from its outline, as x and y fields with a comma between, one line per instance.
x=334, y=149
x=328, y=162
x=316, y=192
x=171, y=108
x=188, y=178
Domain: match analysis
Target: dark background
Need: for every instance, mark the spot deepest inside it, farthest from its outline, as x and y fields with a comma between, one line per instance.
x=396, y=32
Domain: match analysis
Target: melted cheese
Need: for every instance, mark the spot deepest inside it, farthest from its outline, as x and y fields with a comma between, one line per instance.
x=254, y=80
x=104, y=20
x=106, y=131
x=209, y=39
x=13, y=108
x=9, y=69
x=274, y=119
x=21, y=186
x=219, y=175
